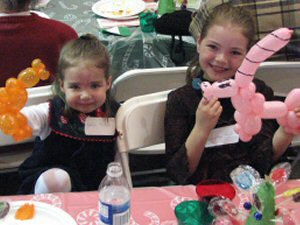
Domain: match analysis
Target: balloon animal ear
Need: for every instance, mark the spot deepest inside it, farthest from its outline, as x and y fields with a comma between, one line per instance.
x=32, y=75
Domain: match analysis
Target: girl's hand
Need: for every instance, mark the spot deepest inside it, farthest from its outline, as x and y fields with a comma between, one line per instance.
x=208, y=113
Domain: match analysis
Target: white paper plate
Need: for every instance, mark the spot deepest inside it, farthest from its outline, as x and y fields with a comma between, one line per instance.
x=45, y=214
x=119, y=9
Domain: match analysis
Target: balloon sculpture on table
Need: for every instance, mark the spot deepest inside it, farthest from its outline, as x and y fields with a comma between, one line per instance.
x=250, y=106
x=13, y=98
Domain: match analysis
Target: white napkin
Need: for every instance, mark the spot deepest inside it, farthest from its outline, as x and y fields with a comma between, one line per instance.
x=107, y=23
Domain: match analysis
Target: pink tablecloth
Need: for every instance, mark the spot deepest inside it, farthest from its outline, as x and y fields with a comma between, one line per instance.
x=149, y=206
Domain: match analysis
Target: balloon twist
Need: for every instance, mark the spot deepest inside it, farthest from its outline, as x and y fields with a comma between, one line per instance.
x=13, y=98
x=250, y=106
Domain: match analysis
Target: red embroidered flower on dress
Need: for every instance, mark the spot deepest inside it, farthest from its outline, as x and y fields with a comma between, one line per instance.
x=82, y=117
x=100, y=113
x=64, y=120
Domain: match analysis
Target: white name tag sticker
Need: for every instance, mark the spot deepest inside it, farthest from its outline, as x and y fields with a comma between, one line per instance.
x=222, y=136
x=99, y=126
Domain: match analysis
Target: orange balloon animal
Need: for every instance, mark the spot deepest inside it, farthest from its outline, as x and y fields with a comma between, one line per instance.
x=13, y=98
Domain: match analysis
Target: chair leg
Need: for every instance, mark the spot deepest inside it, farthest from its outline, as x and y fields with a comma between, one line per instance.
x=126, y=169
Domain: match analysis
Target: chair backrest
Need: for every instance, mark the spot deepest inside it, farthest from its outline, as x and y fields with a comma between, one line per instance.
x=38, y=95
x=282, y=77
x=140, y=121
x=144, y=81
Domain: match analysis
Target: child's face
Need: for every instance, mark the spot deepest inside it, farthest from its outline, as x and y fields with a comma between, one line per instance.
x=221, y=52
x=85, y=87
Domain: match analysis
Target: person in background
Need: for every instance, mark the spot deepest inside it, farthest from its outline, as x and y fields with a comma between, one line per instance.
x=224, y=40
x=66, y=158
x=267, y=15
x=25, y=36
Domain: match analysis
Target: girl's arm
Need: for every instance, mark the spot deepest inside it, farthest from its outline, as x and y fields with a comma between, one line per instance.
x=282, y=139
x=207, y=116
x=37, y=116
x=181, y=132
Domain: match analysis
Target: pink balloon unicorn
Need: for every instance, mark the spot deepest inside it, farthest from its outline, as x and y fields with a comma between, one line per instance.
x=250, y=106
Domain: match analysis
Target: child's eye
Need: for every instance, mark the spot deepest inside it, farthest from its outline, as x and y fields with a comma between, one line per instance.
x=212, y=47
x=96, y=85
x=74, y=86
x=236, y=53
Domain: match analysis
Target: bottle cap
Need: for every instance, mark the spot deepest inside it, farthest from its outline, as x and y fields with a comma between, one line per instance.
x=114, y=169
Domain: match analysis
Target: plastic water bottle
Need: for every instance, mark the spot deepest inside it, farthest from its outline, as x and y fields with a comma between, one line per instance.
x=114, y=197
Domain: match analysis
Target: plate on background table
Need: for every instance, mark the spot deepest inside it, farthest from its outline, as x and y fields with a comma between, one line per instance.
x=119, y=9
x=45, y=214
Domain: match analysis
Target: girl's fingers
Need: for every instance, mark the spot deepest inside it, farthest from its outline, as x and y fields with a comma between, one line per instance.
x=214, y=104
x=213, y=100
x=212, y=107
x=219, y=111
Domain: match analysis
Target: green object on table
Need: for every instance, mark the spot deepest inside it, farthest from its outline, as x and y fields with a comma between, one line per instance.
x=120, y=31
x=193, y=213
x=147, y=20
x=266, y=194
x=166, y=6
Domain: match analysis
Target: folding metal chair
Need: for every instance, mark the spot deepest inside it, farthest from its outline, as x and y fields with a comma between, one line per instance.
x=140, y=121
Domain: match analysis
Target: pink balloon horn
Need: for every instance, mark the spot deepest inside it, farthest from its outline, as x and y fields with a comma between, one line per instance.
x=259, y=53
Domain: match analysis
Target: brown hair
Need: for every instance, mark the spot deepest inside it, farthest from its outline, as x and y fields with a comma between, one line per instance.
x=85, y=48
x=220, y=15
x=16, y=5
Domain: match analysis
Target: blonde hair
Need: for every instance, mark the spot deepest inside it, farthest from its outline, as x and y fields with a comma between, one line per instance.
x=85, y=48
x=221, y=15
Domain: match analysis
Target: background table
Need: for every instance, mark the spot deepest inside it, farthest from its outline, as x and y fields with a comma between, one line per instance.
x=149, y=205
x=140, y=50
